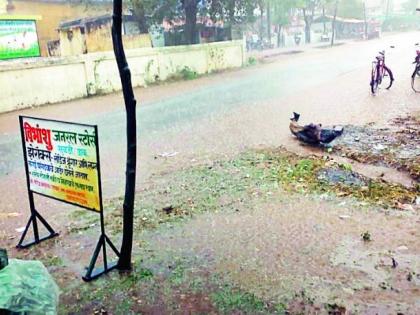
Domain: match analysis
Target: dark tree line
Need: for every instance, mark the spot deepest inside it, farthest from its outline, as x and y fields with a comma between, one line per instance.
x=151, y=12
x=232, y=12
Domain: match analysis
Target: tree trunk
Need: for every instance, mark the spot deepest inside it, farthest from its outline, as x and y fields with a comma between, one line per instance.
x=388, y=4
x=366, y=23
x=140, y=15
x=142, y=24
x=261, y=22
x=307, y=33
x=231, y=20
x=268, y=23
x=279, y=39
x=124, y=262
x=324, y=23
x=308, y=23
x=333, y=23
x=191, y=10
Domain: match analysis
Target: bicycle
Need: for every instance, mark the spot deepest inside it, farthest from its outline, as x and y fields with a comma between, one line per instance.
x=415, y=77
x=380, y=73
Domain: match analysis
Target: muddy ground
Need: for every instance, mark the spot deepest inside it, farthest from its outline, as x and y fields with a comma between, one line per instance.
x=267, y=231
x=396, y=146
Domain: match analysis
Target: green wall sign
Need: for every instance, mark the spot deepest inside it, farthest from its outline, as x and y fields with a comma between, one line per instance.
x=18, y=39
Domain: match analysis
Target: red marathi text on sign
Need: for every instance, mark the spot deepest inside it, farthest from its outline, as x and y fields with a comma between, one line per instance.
x=39, y=135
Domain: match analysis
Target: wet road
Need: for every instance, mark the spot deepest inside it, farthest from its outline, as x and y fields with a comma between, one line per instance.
x=222, y=114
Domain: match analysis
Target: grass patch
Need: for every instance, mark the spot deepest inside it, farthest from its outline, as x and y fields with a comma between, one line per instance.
x=188, y=74
x=177, y=276
x=252, y=61
x=229, y=185
x=240, y=182
x=53, y=261
x=184, y=73
x=229, y=300
x=109, y=293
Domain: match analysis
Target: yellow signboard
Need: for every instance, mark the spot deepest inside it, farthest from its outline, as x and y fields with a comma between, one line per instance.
x=62, y=161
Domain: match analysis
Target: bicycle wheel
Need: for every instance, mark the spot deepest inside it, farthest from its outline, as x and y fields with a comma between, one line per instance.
x=387, y=77
x=374, y=82
x=415, y=80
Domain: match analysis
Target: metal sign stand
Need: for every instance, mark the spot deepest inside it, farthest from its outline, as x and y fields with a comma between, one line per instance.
x=33, y=219
x=34, y=214
x=92, y=273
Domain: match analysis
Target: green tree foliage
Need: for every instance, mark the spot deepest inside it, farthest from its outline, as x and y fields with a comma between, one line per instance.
x=190, y=10
x=149, y=12
x=280, y=15
x=141, y=10
x=308, y=8
x=410, y=6
x=351, y=9
x=231, y=11
x=281, y=11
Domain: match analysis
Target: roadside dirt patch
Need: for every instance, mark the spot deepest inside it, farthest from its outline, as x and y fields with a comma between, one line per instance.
x=280, y=249
x=260, y=233
x=397, y=146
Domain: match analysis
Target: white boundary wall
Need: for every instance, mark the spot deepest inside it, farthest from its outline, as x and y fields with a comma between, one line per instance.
x=34, y=82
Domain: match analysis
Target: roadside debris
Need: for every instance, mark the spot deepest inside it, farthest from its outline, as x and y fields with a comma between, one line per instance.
x=10, y=215
x=27, y=286
x=405, y=207
x=366, y=236
x=410, y=277
x=168, y=154
x=168, y=209
x=396, y=147
x=394, y=263
x=344, y=217
x=402, y=248
x=335, y=309
x=4, y=260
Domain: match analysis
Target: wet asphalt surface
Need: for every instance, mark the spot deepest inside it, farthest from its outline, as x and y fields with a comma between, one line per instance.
x=220, y=114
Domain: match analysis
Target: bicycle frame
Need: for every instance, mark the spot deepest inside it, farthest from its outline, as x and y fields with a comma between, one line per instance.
x=416, y=73
x=380, y=66
x=417, y=60
x=379, y=72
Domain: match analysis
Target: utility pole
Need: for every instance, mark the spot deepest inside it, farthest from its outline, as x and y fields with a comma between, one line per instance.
x=124, y=262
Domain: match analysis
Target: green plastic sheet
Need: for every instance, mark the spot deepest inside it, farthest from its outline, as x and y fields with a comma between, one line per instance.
x=27, y=287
